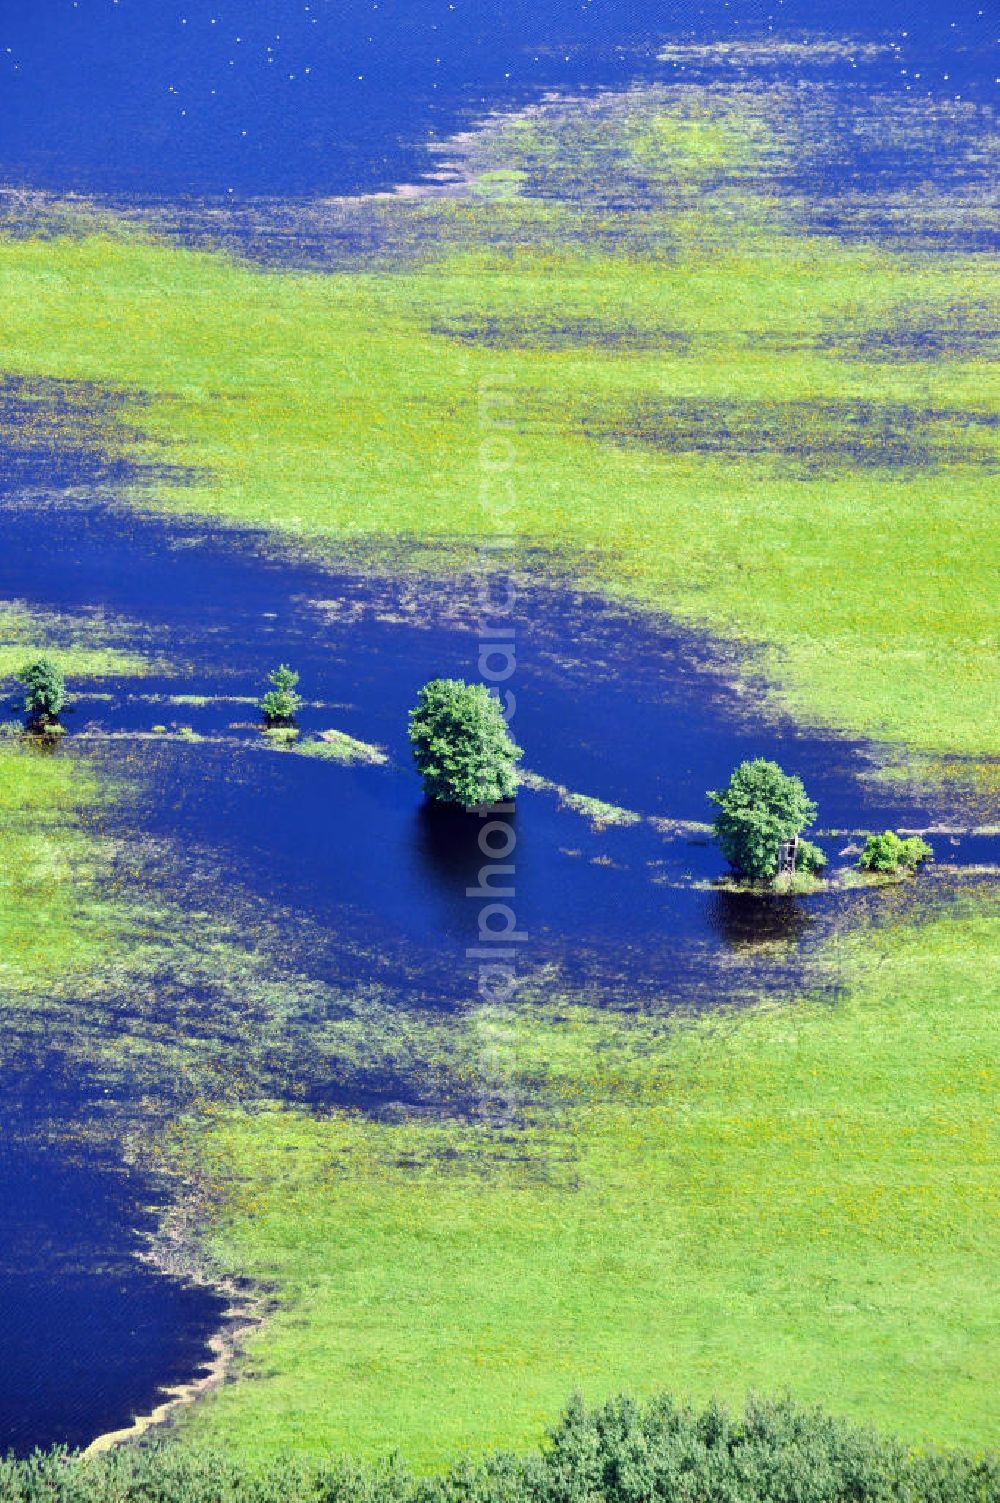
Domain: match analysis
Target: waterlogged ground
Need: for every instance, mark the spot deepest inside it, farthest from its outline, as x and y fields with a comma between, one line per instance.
x=743, y=310
x=298, y=927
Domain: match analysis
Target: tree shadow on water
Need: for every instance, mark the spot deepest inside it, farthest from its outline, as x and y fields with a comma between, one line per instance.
x=747, y=920
x=454, y=843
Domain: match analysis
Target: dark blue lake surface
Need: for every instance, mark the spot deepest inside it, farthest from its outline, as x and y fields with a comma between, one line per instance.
x=303, y=97
x=89, y=1333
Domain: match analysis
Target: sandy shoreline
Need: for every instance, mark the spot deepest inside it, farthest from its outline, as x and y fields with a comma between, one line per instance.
x=173, y=1251
x=224, y=1345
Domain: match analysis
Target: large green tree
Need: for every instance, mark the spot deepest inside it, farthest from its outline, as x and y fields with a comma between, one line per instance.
x=761, y=807
x=461, y=745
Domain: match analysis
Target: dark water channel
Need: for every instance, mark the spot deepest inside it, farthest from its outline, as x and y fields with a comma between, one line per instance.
x=608, y=705
x=90, y=1332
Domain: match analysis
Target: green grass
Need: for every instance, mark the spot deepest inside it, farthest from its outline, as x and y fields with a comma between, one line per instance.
x=51, y=927
x=796, y=1197
x=745, y=457
x=338, y=746
x=76, y=643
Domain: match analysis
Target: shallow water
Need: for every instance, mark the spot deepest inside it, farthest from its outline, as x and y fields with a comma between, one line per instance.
x=355, y=850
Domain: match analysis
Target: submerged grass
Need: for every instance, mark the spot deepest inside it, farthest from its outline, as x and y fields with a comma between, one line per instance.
x=794, y=1197
x=348, y=751
x=77, y=643
x=851, y=536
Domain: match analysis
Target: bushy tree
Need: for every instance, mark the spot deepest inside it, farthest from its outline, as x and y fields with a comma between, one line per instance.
x=461, y=745
x=761, y=807
x=44, y=690
x=888, y=852
x=281, y=703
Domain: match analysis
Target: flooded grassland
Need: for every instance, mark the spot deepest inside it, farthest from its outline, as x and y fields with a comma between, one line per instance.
x=713, y=1140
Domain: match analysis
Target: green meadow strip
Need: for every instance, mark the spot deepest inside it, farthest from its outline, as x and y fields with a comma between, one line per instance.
x=77, y=643
x=738, y=423
x=52, y=928
x=789, y=1198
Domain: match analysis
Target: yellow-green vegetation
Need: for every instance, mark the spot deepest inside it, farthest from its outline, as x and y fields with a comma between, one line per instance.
x=77, y=644
x=338, y=746
x=598, y=813
x=710, y=411
x=714, y=412
x=793, y=1197
x=51, y=927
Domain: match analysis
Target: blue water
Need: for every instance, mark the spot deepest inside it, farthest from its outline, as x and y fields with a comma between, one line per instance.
x=88, y=1331
x=284, y=97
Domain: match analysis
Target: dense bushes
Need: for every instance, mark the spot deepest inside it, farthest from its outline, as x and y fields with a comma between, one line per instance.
x=776, y=1452
x=809, y=858
x=461, y=744
x=888, y=852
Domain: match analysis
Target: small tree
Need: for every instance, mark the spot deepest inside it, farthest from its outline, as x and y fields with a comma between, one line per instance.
x=888, y=852
x=761, y=807
x=461, y=744
x=44, y=691
x=281, y=703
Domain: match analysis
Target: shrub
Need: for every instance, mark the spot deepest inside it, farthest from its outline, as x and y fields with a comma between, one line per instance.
x=761, y=807
x=621, y=1452
x=914, y=852
x=281, y=703
x=461, y=744
x=888, y=852
x=809, y=858
x=44, y=690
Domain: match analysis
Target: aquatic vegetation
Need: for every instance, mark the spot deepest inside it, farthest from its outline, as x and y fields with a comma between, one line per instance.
x=283, y=736
x=338, y=746
x=600, y=814
x=461, y=744
x=78, y=645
